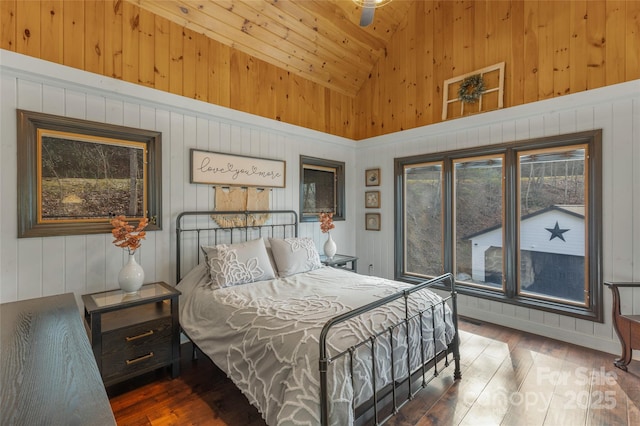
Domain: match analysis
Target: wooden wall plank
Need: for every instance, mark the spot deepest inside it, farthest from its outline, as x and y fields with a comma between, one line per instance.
x=561, y=39
x=202, y=68
x=51, y=26
x=442, y=42
x=632, y=32
x=94, y=38
x=515, y=59
x=176, y=58
x=130, y=42
x=479, y=35
x=596, y=27
x=73, y=34
x=189, y=64
x=239, y=79
x=423, y=19
x=468, y=36
x=459, y=45
x=161, y=54
x=113, y=38
x=578, y=46
x=615, y=42
x=531, y=52
x=219, y=73
x=546, y=49
x=409, y=117
x=8, y=28
x=28, y=28
x=146, y=48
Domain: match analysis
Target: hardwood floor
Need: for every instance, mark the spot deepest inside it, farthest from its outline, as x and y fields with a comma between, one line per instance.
x=508, y=378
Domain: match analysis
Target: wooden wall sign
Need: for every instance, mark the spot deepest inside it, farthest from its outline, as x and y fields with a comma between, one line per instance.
x=236, y=170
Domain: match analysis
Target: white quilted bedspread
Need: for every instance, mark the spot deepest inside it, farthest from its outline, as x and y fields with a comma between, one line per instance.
x=264, y=335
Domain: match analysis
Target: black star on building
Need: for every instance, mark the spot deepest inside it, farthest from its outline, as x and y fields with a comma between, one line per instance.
x=557, y=232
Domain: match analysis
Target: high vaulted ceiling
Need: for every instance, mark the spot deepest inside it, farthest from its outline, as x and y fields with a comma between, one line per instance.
x=320, y=40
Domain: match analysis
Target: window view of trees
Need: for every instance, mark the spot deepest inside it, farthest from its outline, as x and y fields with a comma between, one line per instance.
x=478, y=208
x=522, y=221
x=423, y=224
x=84, y=179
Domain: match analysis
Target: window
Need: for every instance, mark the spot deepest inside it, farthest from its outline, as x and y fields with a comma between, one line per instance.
x=479, y=206
x=423, y=195
x=518, y=222
x=321, y=188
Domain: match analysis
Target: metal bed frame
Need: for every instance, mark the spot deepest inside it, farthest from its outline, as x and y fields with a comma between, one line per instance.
x=283, y=224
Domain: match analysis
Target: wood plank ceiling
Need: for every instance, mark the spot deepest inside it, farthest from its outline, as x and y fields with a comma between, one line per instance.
x=320, y=40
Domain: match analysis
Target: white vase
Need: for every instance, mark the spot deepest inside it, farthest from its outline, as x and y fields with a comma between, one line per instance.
x=131, y=276
x=330, y=247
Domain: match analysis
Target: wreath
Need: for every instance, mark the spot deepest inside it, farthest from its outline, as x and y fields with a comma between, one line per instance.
x=471, y=89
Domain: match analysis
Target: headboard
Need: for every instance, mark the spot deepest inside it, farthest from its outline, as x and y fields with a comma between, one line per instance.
x=194, y=229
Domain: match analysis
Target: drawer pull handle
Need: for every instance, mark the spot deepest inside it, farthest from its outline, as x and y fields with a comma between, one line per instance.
x=140, y=358
x=139, y=336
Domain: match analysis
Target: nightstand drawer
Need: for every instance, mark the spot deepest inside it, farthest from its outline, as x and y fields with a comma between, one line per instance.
x=140, y=335
x=133, y=334
x=146, y=357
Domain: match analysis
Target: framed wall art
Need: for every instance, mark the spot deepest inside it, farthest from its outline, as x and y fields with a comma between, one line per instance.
x=372, y=221
x=236, y=170
x=75, y=175
x=372, y=177
x=372, y=199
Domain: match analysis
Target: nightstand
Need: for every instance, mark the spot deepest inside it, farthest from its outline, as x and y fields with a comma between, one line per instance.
x=341, y=261
x=132, y=334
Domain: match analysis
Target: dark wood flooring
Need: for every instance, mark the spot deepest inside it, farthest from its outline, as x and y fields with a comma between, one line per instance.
x=508, y=378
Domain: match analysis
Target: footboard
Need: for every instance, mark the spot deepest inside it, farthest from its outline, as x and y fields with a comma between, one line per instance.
x=399, y=390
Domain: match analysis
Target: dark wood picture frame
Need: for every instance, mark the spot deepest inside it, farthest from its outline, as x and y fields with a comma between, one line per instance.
x=372, y=221
x=372, y=177
x=372, y=199
x=33, y=127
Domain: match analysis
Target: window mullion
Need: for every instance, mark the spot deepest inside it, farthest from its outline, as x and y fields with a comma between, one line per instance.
x=511, y=224
x=448, y=219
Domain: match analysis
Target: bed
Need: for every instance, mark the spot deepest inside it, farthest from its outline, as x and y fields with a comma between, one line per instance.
x=306, y=343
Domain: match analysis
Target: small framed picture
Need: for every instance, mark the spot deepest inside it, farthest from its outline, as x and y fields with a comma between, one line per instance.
x=372, y=221
x=372, y=177
x=372, y=199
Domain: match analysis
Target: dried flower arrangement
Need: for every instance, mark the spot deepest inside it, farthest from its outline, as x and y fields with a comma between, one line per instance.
x=126, y=236
x=326, y=222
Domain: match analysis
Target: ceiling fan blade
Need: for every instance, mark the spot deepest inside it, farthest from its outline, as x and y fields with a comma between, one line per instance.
x=366, y=17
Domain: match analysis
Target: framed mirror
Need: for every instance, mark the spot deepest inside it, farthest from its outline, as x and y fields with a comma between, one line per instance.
x=75, y=175
x=321, y=188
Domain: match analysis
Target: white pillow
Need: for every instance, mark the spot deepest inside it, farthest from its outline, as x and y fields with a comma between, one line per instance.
x=294, y=255
x=234, y=264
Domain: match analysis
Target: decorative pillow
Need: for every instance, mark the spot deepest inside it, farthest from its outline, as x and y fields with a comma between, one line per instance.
x=234, y=264
x=294, y=255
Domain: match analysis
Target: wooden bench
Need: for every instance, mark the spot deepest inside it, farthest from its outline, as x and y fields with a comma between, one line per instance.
x=627, y=326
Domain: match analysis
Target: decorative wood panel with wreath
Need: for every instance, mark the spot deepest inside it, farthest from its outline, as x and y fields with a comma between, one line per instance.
x=478, y=91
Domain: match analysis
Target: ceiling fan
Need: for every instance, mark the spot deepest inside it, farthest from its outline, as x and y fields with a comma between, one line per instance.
x=368, y=8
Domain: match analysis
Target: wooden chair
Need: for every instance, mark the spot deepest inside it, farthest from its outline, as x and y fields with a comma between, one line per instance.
x=627, y=326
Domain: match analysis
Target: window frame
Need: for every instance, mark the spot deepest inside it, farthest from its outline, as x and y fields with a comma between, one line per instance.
x=593, y=211
x=339, y=190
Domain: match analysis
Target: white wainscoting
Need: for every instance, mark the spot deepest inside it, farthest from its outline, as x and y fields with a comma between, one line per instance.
x=616, y=110
x=34, y=267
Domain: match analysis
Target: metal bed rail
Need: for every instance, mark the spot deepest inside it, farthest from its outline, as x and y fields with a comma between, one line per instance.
x=281, y=223
x=325, y=360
